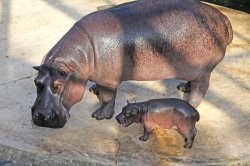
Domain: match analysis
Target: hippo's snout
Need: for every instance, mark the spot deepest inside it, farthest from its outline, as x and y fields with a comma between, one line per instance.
x=44, y=119
x=123, y=120
x=118, y=119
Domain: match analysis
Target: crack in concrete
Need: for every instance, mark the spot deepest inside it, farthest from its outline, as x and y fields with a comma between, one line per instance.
x=6, y=89
x=118, y=150
x=23, y=78
x=153, y=153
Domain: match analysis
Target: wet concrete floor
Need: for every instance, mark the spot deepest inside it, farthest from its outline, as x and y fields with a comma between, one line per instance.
x=30, y=28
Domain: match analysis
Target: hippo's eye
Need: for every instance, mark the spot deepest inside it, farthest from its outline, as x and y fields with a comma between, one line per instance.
x=134, y=111
x=127, y=114
x=63, y=73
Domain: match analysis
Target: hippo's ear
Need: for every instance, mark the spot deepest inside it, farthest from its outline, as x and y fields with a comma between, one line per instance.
x=128, y=102
x=37, y=68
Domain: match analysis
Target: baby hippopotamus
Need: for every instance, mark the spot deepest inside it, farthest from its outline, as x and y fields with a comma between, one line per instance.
x=162, y=113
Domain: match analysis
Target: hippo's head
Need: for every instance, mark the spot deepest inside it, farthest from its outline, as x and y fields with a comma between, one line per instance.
x=57, y=91
x=130, y=113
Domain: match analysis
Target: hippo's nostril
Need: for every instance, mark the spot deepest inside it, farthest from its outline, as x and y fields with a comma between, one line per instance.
x=52, y=115
x=47, y=117
x=38, y=116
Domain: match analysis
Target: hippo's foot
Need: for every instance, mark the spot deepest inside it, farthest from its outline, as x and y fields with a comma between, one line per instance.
x=94, y=89
x=103, y=113
x=143, y=138
x=184, y=87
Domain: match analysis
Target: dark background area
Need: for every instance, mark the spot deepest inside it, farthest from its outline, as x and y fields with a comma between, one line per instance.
x=242, y=5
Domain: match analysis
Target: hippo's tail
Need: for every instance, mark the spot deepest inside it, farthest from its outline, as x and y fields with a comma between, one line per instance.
x=229, y=30
x=197, y=115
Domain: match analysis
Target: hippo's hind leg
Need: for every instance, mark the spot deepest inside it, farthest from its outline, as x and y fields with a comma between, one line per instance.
x=188, y=132
x=198, y=89
x=106, y=97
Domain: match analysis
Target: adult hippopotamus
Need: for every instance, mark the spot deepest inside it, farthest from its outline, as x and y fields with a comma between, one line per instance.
x=141, y=40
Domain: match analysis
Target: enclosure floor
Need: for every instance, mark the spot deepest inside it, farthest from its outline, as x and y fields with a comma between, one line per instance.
x=30, y=28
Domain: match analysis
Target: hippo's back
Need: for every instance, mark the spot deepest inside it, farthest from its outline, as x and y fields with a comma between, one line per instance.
x=168, y=111
x=157, y=39
x=170, y=104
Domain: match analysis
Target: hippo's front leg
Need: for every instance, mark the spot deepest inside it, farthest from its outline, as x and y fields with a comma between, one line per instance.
x=106, y=97
x=94, y=89
x=184, y=87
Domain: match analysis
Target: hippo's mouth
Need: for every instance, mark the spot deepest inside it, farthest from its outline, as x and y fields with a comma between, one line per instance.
x=49, y=124
x=127, y=122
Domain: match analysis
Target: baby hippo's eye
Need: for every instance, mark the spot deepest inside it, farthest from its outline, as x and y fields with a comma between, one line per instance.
x=127, y=114
x=134, y=111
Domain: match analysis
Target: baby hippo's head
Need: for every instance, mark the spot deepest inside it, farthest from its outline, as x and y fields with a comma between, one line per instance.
x=130, y=113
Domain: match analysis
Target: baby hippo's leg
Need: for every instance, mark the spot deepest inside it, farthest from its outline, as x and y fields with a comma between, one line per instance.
x=188, y=132
x=147, y=131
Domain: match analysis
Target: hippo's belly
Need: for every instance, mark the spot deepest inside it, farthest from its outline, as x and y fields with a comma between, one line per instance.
x=162, y=61
x=159, y=120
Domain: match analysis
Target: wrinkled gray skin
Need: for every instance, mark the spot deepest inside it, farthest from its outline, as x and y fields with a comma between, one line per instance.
x=162, y=113
x=142, y=40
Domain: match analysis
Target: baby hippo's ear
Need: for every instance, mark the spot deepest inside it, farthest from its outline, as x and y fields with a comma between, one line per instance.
x=128, y=102
x=37, y=68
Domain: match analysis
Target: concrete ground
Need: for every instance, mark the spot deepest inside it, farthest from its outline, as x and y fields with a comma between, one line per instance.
x=30, y=28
